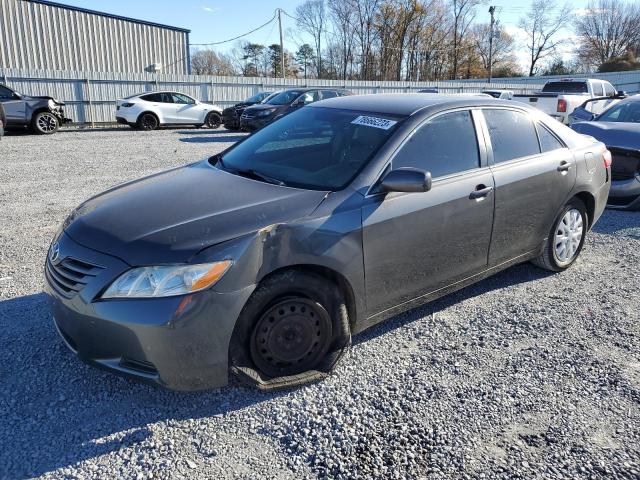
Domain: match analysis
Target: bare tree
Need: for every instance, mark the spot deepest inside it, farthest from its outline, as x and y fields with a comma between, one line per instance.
x=209, y=62
x=464, y=12
x=311, y=18
x=342, y=15
x=502, y=49
x=542, y=27
x=607, y=29
x=365, y=14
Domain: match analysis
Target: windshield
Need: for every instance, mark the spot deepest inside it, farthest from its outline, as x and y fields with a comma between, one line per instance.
x=314, y=147
x=258, y=97
x=622, y=112
x=565, y=87
x=284, y=98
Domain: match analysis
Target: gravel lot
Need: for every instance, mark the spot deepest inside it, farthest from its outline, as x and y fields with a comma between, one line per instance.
x=525, y=375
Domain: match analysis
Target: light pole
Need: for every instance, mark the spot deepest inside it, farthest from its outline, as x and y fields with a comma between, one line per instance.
x=492, y=10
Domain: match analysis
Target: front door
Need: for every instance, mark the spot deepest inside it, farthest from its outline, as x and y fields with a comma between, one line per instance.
x=14, y=107
x=416, y=243
x=188, y=110
x=534, y=173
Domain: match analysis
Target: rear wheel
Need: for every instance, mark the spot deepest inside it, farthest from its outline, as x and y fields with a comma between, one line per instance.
x=213, y=120
x=566, y=237
x=45, y=123
x=148, y=121
x=293, y=330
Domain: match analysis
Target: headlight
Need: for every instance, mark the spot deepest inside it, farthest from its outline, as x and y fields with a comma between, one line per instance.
x=51, y=104
x=266, y=113
x=166, y=281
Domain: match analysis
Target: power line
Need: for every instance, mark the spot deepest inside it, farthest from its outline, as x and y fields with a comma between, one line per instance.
x=239, y=36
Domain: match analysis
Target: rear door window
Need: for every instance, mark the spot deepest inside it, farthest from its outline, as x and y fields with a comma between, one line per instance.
x=329, y=94
x=512, y=134
x=444, y=145
x=548, y=141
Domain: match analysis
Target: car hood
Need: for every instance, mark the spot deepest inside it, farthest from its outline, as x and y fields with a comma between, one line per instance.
x=30, y=97
x=264, y=106
x=612, y=134
x=171, y=216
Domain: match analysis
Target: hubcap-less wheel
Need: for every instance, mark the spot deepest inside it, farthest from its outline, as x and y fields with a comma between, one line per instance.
x=291, y=337
x=149, y=122
x=213, y=120
x=47, y=123
x=568, y=236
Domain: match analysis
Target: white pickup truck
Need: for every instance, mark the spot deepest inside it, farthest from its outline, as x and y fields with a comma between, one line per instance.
x=559, y=98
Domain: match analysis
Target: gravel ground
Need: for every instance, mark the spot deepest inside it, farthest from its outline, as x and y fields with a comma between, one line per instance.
x=525, y=375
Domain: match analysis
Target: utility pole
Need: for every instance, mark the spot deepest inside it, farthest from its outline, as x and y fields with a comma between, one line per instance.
x=492, y=10
x=281, y=45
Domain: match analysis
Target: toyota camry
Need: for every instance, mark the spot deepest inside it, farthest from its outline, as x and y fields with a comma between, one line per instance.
x=262, y=261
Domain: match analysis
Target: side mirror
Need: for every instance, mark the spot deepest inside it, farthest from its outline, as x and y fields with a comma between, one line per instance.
x=582, y=114
x=621, y=94
x=406, y=180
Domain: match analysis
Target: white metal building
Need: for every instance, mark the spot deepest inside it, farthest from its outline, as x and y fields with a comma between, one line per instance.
x=43, y=35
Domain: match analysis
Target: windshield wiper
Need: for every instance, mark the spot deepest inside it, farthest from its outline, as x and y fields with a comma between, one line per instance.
x=250, y=173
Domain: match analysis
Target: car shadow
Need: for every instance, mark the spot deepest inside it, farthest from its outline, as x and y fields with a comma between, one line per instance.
x=69, y=412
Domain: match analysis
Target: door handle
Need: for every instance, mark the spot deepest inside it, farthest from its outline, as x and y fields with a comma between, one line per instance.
x=564, y=166
x=481, y=191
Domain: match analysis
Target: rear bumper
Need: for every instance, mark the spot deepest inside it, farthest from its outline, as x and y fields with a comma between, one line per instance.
x=181, y=343
x=123, y=121
x=625, y=194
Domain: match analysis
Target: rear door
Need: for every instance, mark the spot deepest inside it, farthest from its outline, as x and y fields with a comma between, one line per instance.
x=163, y=104
x=534, y=173
x=14, y=108
x=416, y=243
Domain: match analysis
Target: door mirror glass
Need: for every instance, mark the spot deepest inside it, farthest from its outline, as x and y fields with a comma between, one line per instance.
x=406, y=180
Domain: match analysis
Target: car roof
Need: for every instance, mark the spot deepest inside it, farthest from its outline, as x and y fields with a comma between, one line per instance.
x=406, y=104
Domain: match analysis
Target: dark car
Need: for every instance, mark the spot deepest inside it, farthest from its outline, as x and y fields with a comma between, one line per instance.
x=257, y=116
x=43, y=115
x=231, y=115
x=316, y=227
x=618, y=128
x=3, y=121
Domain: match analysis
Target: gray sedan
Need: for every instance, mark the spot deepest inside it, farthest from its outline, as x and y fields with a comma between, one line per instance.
x=264, y=260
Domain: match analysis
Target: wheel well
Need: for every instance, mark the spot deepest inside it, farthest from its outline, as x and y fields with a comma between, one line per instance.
x=149, y=112
x=589, y=202
x=331, y=275
x=37, y=111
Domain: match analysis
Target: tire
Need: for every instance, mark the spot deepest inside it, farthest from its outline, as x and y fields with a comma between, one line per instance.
x=148, y=121
x=213, y=120
x=45, y=123
x=292, y=331
x=566, y=237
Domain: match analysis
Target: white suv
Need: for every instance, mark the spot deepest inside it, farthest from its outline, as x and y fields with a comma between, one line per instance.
x=147, y=111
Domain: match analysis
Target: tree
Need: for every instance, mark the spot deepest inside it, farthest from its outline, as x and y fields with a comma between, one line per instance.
x=342, y=15
x=542, y=28
x=502, y=48
x=304, y=57
x=464, y=11
x=252, y=56
x=620, y=64
x=275, y=59
x=311, y=18
x=208, y=62
x=558, y=67
x=608, y=29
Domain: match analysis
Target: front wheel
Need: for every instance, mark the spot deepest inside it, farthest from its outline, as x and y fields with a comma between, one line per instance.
x=213, y=120
x=45, y=123
x=566, y=237
x=293, y=330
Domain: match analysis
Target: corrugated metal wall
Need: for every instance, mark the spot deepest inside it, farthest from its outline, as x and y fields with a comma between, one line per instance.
x=91, y=96
x=41, y=36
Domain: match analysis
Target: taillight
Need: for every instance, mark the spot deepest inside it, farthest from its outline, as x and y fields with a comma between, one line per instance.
x=606, y=158
x=126, y=105
x=562, y=105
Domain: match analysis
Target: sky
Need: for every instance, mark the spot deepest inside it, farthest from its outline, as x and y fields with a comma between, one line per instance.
x=218, y=20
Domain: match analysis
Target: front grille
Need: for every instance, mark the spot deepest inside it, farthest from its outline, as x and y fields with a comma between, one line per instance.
x=70, y=276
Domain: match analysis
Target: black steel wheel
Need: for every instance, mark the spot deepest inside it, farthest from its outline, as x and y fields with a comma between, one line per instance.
x=213, y=120
x=291, y=337
x=148, y=121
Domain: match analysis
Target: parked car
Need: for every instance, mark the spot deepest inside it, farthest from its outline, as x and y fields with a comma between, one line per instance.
x=559, y=98
x=257, y=116
x=316, y=227
x=618, y=128
x=501, y=94
x=148, y=111
x=231, y=115
x=3, y=121
x=43, y=115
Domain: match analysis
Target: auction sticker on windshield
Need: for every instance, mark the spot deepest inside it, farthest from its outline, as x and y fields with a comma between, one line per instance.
x=374, y=122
